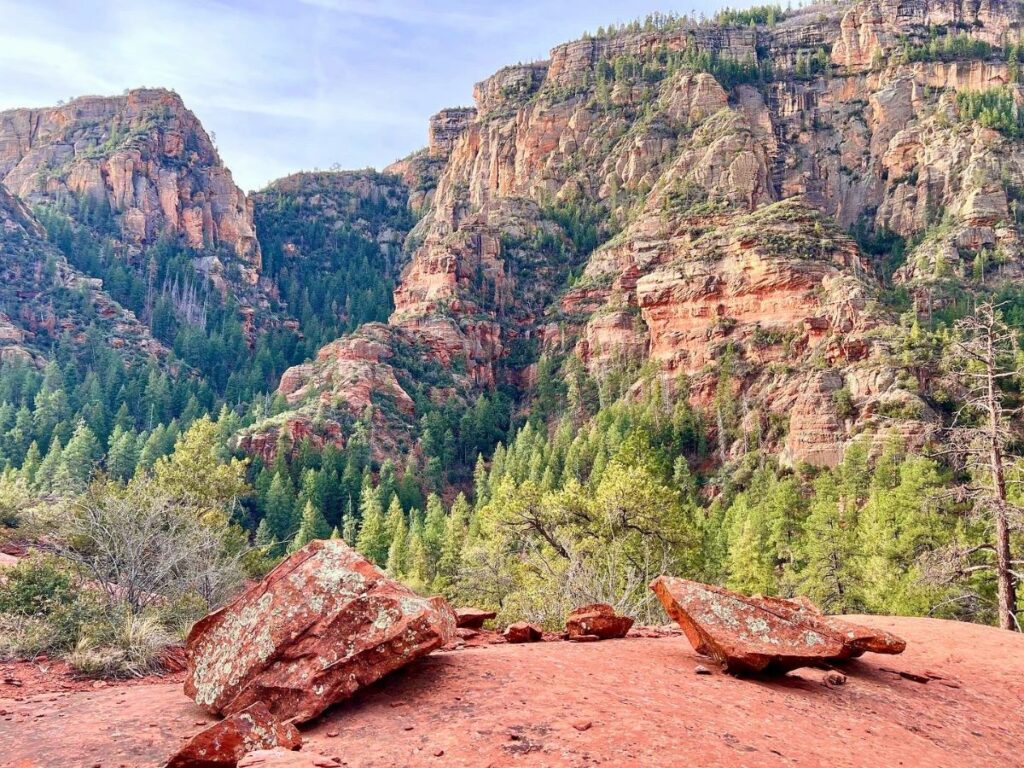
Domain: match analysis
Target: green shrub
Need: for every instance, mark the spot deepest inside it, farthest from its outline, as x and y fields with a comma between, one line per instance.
x=36, y=586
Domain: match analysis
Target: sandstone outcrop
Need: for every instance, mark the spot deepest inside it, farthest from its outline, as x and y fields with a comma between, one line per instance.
x=763, y=635
x=598, y=620
x=319, y=627
x=145, y=155
x=223, y=744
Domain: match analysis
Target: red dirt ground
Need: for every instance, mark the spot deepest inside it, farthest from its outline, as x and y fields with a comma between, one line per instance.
x=631, y=702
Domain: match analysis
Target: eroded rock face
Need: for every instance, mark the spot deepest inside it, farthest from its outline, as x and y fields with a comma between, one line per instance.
x=223, y=744
x=37, y=285
x=763, y=635
x=598, y=620
x=735, y=203
x=320, y=626
x=146, y=156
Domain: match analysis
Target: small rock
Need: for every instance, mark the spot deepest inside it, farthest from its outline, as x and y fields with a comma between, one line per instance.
x=332, y=734
x=833, y=678
x=583, y=638
x=438, y=752
x=599, y=620
x=700, y=669
x=472, y=618
x=582, y=725
x=521, y=632
x=281, y=758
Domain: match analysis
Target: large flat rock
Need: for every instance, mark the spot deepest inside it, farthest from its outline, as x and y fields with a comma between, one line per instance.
x=763, y=634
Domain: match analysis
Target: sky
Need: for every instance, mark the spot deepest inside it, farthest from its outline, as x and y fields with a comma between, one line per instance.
x=290, y=85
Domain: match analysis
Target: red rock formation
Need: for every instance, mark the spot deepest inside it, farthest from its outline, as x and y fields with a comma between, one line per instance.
x=223, y=744
x=146, y=155
x=598, y=620
x=320, y=626
x=763, y=635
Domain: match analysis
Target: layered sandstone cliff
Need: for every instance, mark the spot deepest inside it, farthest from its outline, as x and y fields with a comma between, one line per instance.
x=718, y=169
x=149, y=159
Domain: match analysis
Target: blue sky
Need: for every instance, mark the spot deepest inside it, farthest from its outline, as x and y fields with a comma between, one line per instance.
x=290, y=85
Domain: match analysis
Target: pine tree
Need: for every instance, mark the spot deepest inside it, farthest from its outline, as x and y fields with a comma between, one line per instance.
x=122, y=456
x=313, y=526
x=417, y=563
x=264, y=537
x=434, y=524
x=349, y=526
x=48, y=467
x=279, y=507
x=373, y=539
x=78, y=461
x=398, y=552
x=454, y=541
x=30, y=466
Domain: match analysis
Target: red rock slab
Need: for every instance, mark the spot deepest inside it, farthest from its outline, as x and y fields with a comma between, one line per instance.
x=472, y=618
x=323, y=624
x=223, y=744
x=747, y=635
x=522, y=632
x=281, y=758
x=857, y=638
x=598, y=619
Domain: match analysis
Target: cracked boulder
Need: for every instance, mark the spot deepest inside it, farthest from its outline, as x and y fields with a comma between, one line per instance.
x=764, y=634
x=323, y=624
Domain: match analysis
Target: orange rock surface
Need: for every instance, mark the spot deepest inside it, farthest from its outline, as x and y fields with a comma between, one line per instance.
x=501, y=705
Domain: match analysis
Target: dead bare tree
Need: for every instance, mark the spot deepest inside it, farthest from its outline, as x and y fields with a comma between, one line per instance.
x=982, y=359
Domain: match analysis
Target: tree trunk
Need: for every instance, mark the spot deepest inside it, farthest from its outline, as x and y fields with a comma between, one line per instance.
x=1007, y=598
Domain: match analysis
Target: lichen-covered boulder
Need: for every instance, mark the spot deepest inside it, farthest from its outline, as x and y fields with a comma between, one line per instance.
x=763, y=634
x=223, y=744
x=323, y=624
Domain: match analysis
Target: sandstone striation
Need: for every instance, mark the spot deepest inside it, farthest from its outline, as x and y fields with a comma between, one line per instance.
x=319, y=627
